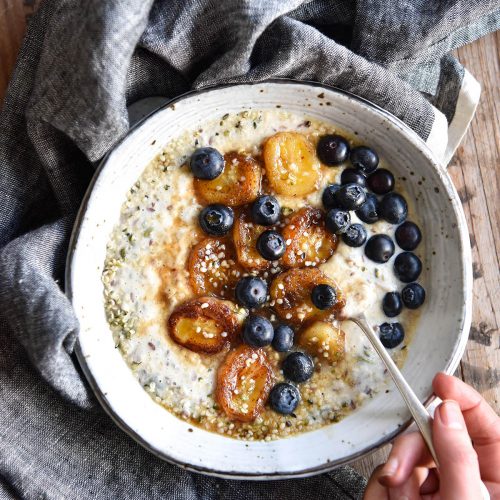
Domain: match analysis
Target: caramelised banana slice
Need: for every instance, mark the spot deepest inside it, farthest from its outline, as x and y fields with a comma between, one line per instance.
x=238, y=184
x=291, y=295
x=324, y=340
x=308, y=241
x=245, y=235
x=213, y=269
x=244, y=380
x=291, y=164
x=205, y=325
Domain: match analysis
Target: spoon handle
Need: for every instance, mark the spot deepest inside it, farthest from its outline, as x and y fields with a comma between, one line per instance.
x=417, y=409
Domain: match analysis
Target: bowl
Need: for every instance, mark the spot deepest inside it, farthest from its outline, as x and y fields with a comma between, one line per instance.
x=437, y=345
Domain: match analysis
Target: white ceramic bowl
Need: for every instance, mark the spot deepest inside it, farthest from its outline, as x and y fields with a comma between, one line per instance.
x=438, y=344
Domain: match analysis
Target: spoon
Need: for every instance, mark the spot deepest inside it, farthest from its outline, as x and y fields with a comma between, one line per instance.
x=417, y=409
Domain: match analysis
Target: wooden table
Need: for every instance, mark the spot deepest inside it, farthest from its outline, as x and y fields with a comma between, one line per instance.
x=475, y=170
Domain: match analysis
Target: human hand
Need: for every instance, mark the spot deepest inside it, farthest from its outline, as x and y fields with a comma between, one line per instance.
x=410, y=472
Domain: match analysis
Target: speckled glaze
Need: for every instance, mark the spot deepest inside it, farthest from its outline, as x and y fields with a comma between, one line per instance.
x=438, y=344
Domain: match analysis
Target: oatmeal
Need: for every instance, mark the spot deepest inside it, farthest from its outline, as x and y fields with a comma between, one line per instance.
x=229, y=272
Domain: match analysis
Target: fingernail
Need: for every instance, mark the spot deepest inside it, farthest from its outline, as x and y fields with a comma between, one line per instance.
x=390, y=468
x=450, y=415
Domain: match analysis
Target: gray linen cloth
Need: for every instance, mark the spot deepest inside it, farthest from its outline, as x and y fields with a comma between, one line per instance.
x=81, y=64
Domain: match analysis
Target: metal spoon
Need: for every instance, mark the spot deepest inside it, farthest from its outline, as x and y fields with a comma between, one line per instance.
x=417, y=409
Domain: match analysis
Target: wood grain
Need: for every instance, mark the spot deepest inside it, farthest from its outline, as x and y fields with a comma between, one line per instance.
x=14, y=15
x=475, y=172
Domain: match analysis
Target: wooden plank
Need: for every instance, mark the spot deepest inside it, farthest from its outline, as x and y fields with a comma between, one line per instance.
x=474, y=170
x=475, y=173
x=12, y=26
x=13, y=17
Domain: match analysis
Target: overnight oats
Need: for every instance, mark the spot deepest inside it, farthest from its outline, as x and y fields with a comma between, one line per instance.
x=238, y=253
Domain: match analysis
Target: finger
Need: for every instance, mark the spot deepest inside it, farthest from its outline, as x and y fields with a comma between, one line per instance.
x=374, y=490
x=431, y=483
x=458, y=464
x=408, y=452
x=411, y=487
x=482, y=422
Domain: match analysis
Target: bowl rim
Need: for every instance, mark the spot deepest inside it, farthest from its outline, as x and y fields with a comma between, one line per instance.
x=465, y=252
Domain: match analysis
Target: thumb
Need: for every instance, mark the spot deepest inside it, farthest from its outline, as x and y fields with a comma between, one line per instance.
x=458, y=464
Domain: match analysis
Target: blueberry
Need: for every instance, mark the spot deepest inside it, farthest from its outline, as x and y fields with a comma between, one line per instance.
x=337, y=220
x=323, y=296
x=368, y=211
x=332, y=150
x=216, y=220
x=392, y=304
x=408, y=235
x=257, y=331
x=271, y=245
x=350, y=196
x=407, y=267
x=379, y=248
x=355, y=236
x=298, y=367
x=266, y=210
x=381, y=181
x=353, y=176
x=393, y=208
x=413, y=295
x=283, y=338
x=251, y=292
x=328, y=197
x=206, y=163
x=391, y=334
x=284, y=398
x=364, y=158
